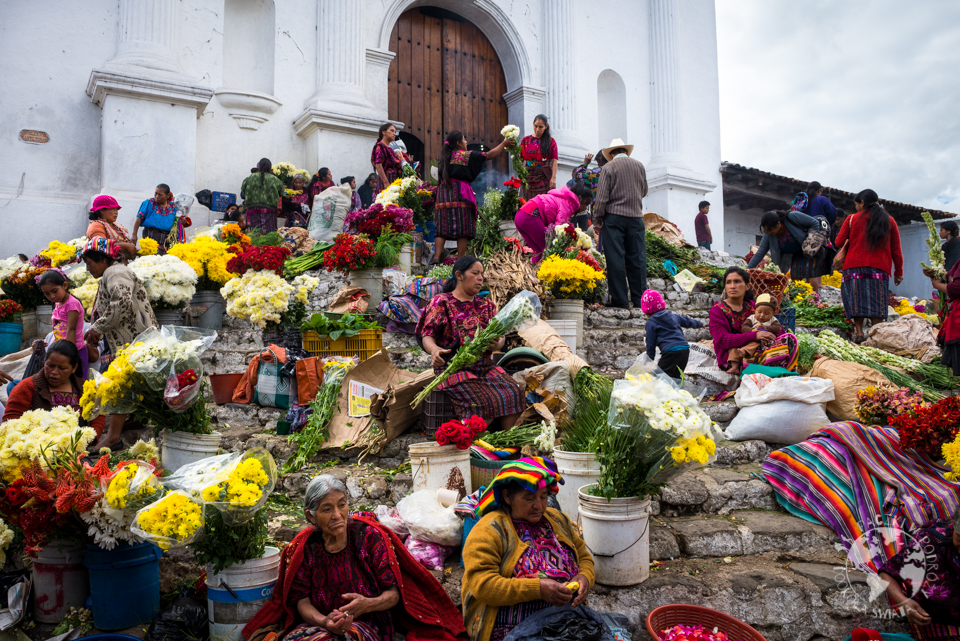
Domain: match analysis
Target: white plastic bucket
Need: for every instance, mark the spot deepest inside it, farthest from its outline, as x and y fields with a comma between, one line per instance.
x=406, y=259
x=560, y=309
x=60, y=581
x=577, y=469
x=236, y=593
x=431, y=465
x=44, y=320
x=567, y=330
x=618, y=536
x=180, y=448
x=372, y=281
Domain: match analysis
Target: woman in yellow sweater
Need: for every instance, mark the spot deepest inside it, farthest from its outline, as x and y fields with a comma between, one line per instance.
x=522, y=556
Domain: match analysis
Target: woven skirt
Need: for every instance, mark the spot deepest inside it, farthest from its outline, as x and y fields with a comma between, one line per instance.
x=262, y=218
x=804, y=266
x=158, y=235
x=491, y=395
x=865, y=292
x=538, y=181
x=456, y=217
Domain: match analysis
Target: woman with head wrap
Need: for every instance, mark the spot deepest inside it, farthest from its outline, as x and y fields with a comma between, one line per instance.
x=517, y=541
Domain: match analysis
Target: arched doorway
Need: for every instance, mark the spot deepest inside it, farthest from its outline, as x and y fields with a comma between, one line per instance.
x=445, y=76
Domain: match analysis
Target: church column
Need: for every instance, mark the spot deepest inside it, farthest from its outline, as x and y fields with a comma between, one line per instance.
x=150, y=107
x=560, y=78
x=665, y=99
x=339, y=116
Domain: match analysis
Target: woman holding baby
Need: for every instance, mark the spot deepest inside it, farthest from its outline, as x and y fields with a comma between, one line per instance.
x=745, y=330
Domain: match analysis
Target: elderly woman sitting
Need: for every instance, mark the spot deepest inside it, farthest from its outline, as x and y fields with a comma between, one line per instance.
x=521, y=556
x=349, y=577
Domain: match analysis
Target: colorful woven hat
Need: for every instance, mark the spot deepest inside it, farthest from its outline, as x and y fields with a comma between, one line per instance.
x=105, y=202
x=104, y=246
x=530, y=473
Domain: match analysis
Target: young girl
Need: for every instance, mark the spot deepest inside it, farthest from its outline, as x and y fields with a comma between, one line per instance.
x=67, y=314
x=664, y=329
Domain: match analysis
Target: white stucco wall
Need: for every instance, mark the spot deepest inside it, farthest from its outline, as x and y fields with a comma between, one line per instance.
x=742, y=227
x=50, y=60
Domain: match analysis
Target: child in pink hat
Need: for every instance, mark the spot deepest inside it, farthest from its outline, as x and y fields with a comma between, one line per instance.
x=664, y=329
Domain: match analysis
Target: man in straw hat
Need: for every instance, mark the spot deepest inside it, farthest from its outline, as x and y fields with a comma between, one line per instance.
x=618, y=216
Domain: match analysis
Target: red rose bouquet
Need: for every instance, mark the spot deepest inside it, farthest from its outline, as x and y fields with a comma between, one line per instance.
x=459, y=433
x=927, y=429
x=349, y=254
x=258, y=258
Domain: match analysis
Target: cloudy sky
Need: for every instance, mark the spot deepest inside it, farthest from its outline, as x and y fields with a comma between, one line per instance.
x=854, y=94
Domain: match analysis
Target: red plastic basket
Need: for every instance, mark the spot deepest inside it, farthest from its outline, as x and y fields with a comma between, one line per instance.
x=762, y=282
x=667, y=616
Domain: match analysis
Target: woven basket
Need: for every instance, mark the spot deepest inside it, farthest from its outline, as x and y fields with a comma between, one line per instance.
x=483, y=472
x=667, y=616
x=762, y=282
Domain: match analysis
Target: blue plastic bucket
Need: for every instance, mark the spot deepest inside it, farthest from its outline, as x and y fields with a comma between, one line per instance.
x=10, y=335
x=429, y=229
x=124, y=585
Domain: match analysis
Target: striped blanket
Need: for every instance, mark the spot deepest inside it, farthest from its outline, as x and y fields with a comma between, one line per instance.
x=855, y=479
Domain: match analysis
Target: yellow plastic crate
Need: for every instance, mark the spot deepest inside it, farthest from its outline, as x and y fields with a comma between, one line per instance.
x=364, y=345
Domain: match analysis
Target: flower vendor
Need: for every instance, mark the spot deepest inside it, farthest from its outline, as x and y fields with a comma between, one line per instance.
x=157, y=216
x=233, y=214
x=387, y=162
x=783, y=236
x=347, y=576
x=58, y=383
x=452, y=319
x=456, y=205
x=261, y=192
x=950, y=233
x=67, y=314
x=103, y=217
x=366, y=191
x=545, y=211
x=936, y=602
x=539, y=153
x=355, y=202
x=590, y=177
x=949, y=335
x=120, y=312
x=871, y=239
x=321, y=180
x=296, y=203
x=522, y=556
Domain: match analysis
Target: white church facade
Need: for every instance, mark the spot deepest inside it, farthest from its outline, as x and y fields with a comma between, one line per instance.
x=116, y=96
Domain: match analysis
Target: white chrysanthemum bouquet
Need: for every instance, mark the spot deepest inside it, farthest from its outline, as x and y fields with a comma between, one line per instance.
x=169, y=281
x=512, y=133
x=24, y=439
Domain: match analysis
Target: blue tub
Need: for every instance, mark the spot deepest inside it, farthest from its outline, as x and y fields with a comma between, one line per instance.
x=124, y=585
x=10, y=334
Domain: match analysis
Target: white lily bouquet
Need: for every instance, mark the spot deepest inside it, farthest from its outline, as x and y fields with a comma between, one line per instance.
x=512, y=132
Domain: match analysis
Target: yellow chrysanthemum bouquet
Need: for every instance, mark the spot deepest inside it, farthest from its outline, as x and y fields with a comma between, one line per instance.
x=173, y=521
x=208, y=257
x=148, y=247
x=568, y=278
x=60, y=253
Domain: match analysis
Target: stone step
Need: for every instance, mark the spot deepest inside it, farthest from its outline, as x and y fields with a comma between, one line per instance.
x=746, y=532
x=715, y=491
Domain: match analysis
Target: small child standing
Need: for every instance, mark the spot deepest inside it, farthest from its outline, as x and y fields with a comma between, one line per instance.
x=664, y=329
x=763, y=320
x=67, y=314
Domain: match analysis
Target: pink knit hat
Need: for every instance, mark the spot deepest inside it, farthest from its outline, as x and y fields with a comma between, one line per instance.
x=104, y=202
x=652, y=302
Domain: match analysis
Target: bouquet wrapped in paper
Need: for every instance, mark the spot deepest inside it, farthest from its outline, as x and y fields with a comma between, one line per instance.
x=521, y=312
x=235, y=484
x=655, y=431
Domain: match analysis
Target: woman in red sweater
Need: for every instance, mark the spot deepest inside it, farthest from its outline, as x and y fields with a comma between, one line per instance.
x=872, y=243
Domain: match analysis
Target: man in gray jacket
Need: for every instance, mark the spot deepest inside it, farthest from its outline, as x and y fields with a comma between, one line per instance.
x=618, y=215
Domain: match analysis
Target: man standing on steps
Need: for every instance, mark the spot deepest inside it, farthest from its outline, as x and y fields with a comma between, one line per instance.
x=618, y=216
x=702, y=226
x=157, y=216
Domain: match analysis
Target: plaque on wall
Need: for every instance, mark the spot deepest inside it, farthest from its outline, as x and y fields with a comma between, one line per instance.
x=34, y=137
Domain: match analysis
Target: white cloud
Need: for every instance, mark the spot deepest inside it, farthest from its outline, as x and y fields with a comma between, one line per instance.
x=854, y=95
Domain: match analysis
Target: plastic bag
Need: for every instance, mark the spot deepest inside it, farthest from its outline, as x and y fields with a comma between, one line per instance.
x=521, y=312
x=236, y=484
x=786, y=422
x=430, y=555
x=389, y=517
x=169, y=360
x=132, y=486
x=185, y=620
x=330, y=208
x=174, y=521
x=428, y=521
x=757, y=389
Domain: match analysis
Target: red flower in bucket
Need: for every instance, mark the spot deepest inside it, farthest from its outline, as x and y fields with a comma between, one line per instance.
x=459, y=433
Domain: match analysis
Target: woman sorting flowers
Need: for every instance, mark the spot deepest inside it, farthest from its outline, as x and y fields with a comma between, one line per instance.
x=121, y=311
x=452, y=319
x=539, y=153
x=545, y=211
x=456, y=206
x=522, y=556
x=727, y=320
x=56, y=384
x=387, y=162
x=103, y=224
x=348, y=577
